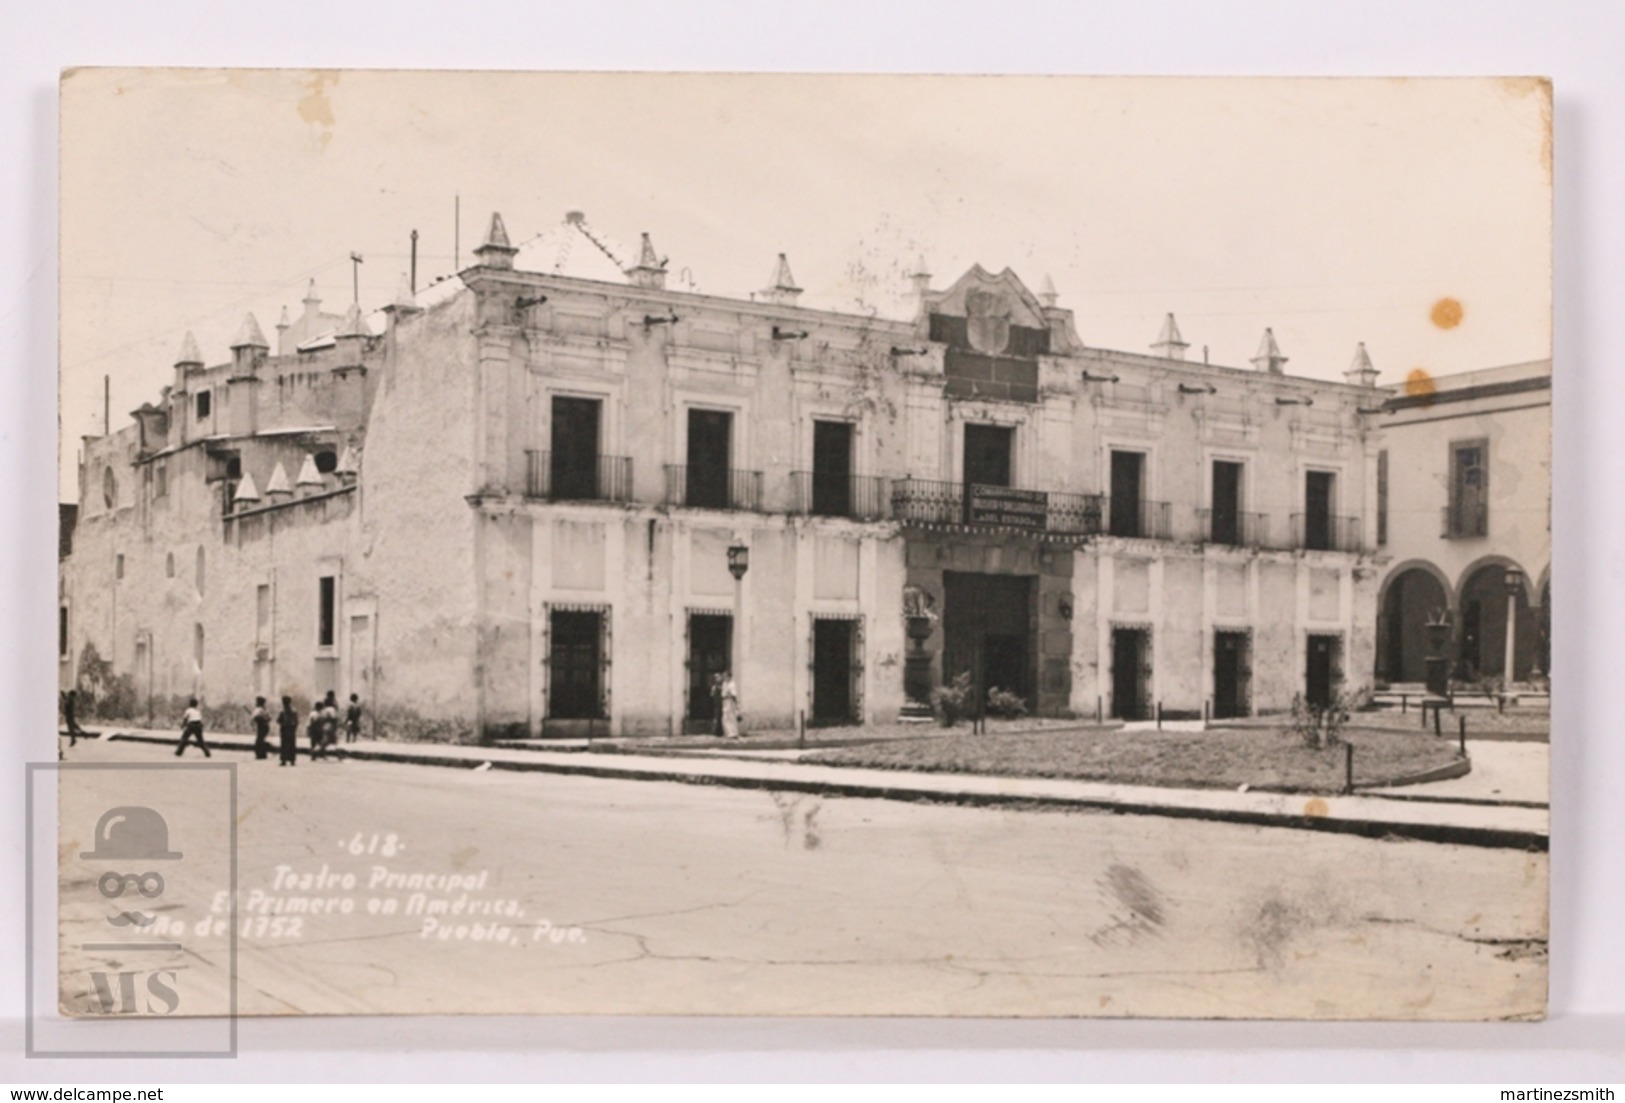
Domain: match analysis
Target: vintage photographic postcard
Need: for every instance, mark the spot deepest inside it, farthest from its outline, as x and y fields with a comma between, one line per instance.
x=804, y=545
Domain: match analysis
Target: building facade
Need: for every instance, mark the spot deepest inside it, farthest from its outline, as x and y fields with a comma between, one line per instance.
x=507, y=506
x=1464, y=521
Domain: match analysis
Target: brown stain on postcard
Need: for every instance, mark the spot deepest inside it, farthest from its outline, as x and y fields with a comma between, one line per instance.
x=1419, y=384
x=1315, y=807
x=1447, y=313
x=315, y=107
x=1541, y=87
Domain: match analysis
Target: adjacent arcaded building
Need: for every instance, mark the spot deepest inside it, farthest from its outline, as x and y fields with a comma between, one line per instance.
x=1465, y=523
x=506, y=506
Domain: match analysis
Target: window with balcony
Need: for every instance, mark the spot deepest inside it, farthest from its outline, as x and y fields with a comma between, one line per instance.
x=710, y=454
x=832, y=469
x=987, y=454
x=1468, y=514
x=1127, y=493
x=1225, y=522
x=1318, y=520
x=572, y=465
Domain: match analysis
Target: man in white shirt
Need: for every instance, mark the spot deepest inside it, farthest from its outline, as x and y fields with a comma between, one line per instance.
x=192, y=728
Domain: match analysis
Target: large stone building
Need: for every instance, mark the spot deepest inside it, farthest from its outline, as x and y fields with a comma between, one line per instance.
x=505, y=506
x=1465, y=498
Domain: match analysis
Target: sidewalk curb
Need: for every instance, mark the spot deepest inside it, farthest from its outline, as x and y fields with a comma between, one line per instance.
x=1499, y=838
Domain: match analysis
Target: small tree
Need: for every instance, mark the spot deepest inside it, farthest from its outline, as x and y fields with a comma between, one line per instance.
x=1320, y=726
x=953, y=701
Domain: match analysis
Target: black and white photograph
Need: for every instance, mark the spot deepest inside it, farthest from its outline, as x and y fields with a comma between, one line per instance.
x=805, y=545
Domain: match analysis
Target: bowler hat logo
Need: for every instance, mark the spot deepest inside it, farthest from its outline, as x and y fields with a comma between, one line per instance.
x=131, y=832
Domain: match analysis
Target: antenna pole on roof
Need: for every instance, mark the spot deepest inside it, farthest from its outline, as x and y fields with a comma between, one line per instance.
x=414, y=283
x=107, y=405
x=456, y=232
x=355, y=278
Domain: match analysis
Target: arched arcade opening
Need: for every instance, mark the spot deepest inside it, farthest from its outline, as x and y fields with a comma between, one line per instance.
x=1412, y=597
x=1482, y=638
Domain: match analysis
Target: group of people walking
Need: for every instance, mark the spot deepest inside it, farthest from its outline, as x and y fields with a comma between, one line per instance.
x=322, y=728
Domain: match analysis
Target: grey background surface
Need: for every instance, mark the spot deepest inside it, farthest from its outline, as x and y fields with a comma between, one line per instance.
x=1574, y=42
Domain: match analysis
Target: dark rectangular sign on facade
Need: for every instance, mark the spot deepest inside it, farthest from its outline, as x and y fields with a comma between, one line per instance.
x=1004, y=505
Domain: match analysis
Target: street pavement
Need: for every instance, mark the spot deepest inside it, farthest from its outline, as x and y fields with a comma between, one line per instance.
x=1504, y=772
x=1457, y=817
x=608, y=895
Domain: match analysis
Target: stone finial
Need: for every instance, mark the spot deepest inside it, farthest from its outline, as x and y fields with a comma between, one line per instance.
x=650, y=270
x=1047, y=293
x=405, y=301
x=349, y=465
x=308, y=475
x=190, y=355
x=1169, y=344
x=247, y=492
x=249, y=336
x=498, y=251
x=783, y=289
x=279, y=486
x=1268, y=357
x=353, y=325
x=1360, y=371
x=920, y=277
x=313, y=301
x=283, y=322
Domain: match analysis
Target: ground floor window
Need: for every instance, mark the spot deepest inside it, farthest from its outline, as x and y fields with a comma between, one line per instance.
x=577, y=661
x=1232, y=674
x=1131, y=672
x=837, y=670
x=710, y=654
x=1324, y=676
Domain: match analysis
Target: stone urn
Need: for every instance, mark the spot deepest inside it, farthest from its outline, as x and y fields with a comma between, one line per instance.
x=919, y=621
x=1438, y=665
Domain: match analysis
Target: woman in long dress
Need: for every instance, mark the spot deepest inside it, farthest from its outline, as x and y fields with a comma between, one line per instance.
x=730, y=707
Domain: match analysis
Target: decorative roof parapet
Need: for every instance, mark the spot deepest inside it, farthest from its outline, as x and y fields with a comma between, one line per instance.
x=650, y=270
x=308, y=475
x=1268, y=357
x=250, y=335
x=1170, y=345
x=1361, y=372
x=783, y=289
x=279, y=485
x=246, y=490
x=497, y=251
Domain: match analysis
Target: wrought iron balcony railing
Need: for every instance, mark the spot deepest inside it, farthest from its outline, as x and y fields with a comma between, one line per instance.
x=570, y=477
x=1323, y=532
x=1233, y=529
x=1464, y=520
x=860, y=497
x=1136, y=517
x=713, y=487
x=931, y=501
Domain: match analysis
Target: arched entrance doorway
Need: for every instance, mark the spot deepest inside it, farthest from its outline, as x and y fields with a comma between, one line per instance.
x=1413, y=596
x=1483, y=634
